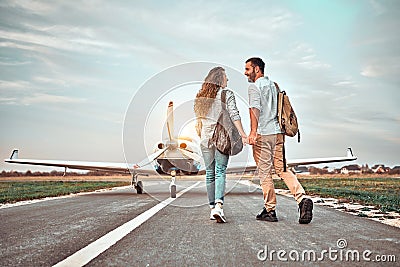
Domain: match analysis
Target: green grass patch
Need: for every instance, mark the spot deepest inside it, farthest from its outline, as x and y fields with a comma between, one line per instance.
x=16, y=191
x=381, y=192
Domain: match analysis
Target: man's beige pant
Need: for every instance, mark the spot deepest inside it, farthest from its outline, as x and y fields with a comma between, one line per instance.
x=268, y=154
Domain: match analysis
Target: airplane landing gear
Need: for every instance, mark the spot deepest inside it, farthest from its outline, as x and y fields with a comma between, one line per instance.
x=138, y=185
x=172, y=186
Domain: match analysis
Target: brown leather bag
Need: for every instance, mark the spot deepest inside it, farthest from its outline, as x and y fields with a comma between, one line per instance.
x=226, y=137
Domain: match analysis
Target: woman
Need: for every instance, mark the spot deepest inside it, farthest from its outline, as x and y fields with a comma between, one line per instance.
x=207, y=107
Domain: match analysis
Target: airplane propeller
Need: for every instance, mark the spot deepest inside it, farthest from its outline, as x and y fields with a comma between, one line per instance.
x=170, y=126
x=170, y=120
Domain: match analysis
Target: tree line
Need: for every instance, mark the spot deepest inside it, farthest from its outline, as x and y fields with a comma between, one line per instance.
x=53, y=173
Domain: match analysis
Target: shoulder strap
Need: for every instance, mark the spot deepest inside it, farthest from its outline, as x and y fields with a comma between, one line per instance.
x=279, y=114
x=223, y=96
x=277, y=87
x=223, y=99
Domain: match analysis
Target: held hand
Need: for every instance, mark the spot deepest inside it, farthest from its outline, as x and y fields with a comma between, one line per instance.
x=245, y=140
x=252, y=138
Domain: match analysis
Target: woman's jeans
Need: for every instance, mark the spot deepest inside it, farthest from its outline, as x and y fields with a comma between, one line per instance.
x=216, y=164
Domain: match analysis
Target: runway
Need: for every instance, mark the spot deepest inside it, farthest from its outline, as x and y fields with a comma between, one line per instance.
x=122, y=228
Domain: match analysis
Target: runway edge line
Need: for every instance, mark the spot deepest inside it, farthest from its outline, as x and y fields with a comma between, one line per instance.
x=94, y=249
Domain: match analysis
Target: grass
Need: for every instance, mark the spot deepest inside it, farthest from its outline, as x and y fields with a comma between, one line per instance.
x=16, y=191
x=381, y=192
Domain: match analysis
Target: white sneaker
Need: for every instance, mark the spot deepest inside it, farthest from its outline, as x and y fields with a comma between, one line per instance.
x=218, y=213
x=212, y=214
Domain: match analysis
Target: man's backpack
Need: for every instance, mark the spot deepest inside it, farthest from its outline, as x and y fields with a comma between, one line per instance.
x=286, y=117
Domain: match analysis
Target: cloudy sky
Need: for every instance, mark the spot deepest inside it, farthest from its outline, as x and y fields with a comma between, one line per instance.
x=70, y=71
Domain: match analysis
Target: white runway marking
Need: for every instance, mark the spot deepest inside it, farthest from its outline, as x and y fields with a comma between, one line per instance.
x=91, y=251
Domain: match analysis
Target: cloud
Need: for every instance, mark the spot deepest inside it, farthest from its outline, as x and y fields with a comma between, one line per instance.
x=393, y=139
x=347, y=82
x=314, y=65
x=13, y=63
x=376, y=41
x=8, y=100
x=13, y=85
x=38, y=98
x=345, y=97
x=19, y=46
x=38, y=7
x=372, y=71
x=50, y=81
x=378, y=8
x=61, y=42
x=382, y=67
x=50, y=99
x=28, y=93
x=307, y=57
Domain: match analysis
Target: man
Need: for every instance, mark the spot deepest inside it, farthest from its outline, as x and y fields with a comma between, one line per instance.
x=267, y=140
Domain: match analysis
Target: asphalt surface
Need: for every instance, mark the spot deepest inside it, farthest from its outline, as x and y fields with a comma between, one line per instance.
x=180, y=233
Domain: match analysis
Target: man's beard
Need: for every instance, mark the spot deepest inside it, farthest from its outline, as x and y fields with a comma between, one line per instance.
x=252, y=76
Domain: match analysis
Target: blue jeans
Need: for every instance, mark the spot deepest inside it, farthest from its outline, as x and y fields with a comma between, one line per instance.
x=216, y=164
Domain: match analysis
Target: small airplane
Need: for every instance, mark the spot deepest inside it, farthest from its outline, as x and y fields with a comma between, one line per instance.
x=176, y=154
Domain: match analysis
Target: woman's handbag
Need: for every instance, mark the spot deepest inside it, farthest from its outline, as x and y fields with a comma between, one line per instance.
x=226, y=138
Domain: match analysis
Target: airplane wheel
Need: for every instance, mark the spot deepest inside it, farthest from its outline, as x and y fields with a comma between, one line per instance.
x=139, y=187
x=173, y=191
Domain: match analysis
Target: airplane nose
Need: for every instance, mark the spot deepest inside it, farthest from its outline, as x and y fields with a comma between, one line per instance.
x=172, y=144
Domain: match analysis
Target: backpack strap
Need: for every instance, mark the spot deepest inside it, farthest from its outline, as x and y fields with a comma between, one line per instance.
x=224, y=105
x=223, y=97
x=277, y=115
x=283, y=154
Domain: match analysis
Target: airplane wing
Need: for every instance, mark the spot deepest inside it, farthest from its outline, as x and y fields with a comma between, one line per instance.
x=297, y=162
x=243, y=167
x=138, y=168
x=150, y=158
x=123, y=168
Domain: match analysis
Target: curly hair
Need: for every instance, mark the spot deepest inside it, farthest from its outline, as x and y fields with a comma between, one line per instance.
x=209, y=89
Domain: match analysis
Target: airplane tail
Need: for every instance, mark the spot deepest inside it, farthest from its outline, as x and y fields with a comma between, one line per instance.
x=349, y=152
x=170, y=120
x=14, y=154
